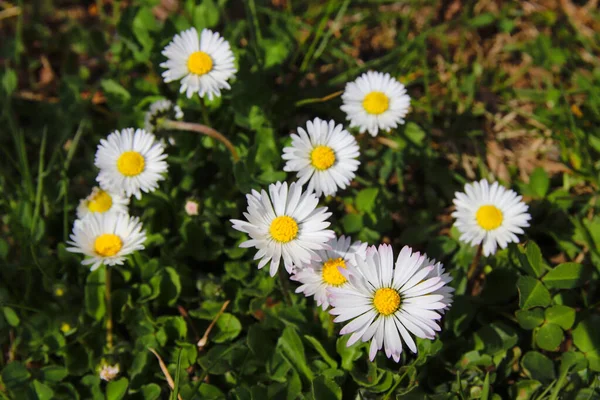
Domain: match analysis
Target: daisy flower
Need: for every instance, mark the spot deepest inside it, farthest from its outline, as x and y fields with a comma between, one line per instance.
x=161, y=109
x=385, y=303
x=324, y=155
x=108, y=372
x=492, y=214
x=130, y=162
x=204, y=64
x=320, y=275
x=375, y=101
x=285, y=224
x=106, y=238
x=101, y=201
x=439, y=271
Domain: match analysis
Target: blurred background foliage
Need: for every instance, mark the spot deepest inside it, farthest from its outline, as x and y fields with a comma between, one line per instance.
x=504, y=90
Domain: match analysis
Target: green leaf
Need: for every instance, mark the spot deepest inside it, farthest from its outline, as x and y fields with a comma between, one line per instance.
x=293, y=350
x=539, y=182
x=593, y=358
x=175, y=392
x=210, y=392
x=206, y=15
x=534, y=257
x=532, y=293
x=9, y=81
x=573, y=361
x=348, y=354
x=538, y=366
x=485, y=392
x=414, y=133
x=42, y=392
x=585, y=334
x=170, y=286
x=549, y=336
x=524, y=389
x=365, y=199
x=11, y=316
x=276, y=51
x=566, y=276
x=116, y=390
x=150, y=391
x=321, y=350
x=352, y=223
x=95, y=305
x=14, y=375
x=326, y=389
x=560, y=315
x=54, y=373
x=228, y=327
x=114, y=91
x=530, y=319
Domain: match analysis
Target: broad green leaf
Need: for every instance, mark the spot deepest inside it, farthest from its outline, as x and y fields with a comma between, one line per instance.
x=539, y=182
x=326, y=389
x=348, y=354
x=549, y=336
x=54, y=373
x=352, y=223
x=116, y=390
x=572, y=361
x=14, y=375
x=316, y=344
x=566, y=276
x=276, y=51
x=414, y=133
x=532, y=293
x=150, y=391
x=485, y=391
x=585, y=334
x=42, y=391
x=170, y=286
x=115, y=91
x=562, y=316
x=534, y=256
x=593, y=358
x=9, y=81
x=524, y=389
x=228, y=327
x=529, y=319
x=95, y=304
x=538, y=366
x=293, y=350
x=206, y=15
x=495, y=337
x=210, y=392
x=11, y=316
x=365, y=199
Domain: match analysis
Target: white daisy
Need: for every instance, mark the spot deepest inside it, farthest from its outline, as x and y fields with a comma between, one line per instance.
x=285, y=224
x=130, y=162
x=106, y=238
x=204, y=63
x=438, y=271
x=325, y=157
x=375, y=101
x=101, y=201
x=385, y=303
x=492, y=214
x=109, y=372
x=161, y=109
x=320, y=275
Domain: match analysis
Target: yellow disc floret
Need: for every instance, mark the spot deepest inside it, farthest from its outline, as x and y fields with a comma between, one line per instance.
x=283, y=229
x=322, y=157
x=131, y=163
x=331, y=272
x=199, y=63
x=386, y=301
x=376, y=103
x=100, y=202
x=489, y=217
x=107, y=245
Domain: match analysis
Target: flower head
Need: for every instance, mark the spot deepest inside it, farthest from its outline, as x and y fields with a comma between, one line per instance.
x=108, y=372
x=324, y=155
x=204, y=64
x=191, y=207
x=375, y=101
x=101, y=201
x=161, y=109
x=285, y=223
x=320, y=275
x=106, y=238
x=490, y=214
x=130, y=162
x=386, y=303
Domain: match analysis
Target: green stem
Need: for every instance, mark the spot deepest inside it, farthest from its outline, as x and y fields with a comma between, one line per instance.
x=472, y=272
x=285, y=289
x=109, y=321
x=203, y=129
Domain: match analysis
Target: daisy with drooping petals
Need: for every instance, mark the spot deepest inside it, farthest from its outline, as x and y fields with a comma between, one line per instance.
x=106, y=238
x=320, y=275
x=101, y=201
x=161, y=109
x=375, y=101
x=204, y=64
x=130, y=162
x=385, y=304
x=492, y=214
x=324, y=155
x=285, y=224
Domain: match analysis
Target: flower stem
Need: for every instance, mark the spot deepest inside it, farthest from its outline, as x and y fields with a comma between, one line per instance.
x=475, y=263
x=203, y=129
x=285, y=288
x=109, y=321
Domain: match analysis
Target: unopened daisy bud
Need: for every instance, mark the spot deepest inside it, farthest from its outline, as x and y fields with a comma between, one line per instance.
x=285, y=224
x=159, y=111
x=191, y=207
x=102, y=201
x=108, y=372
x=490, y=214
x=203, y=63
x=65, y=327
x=375, y=101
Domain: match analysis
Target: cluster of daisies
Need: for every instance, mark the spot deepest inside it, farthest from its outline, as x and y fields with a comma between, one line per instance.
x=383, y=299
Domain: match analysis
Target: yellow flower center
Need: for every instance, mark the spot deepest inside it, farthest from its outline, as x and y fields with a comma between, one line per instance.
x=386, y=301
x=322, y=157
x=283, y=229
x=199, y=63
x=65, y=327
x=489, y=217
x=376, y=103
x=131, y=163
x=331, y=273
x=107, y=245
x=59, y=292
x=100, y=202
